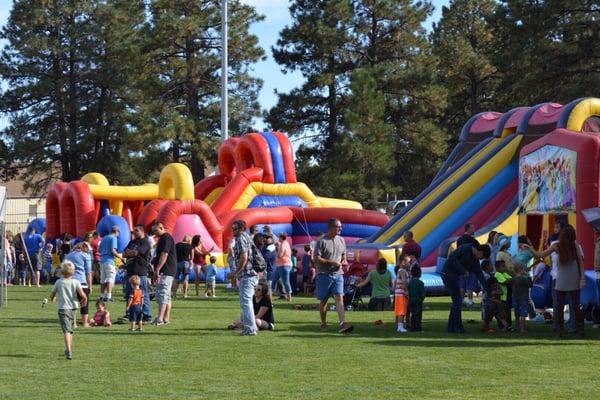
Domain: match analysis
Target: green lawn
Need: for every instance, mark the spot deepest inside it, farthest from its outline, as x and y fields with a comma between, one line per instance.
x=197, y=357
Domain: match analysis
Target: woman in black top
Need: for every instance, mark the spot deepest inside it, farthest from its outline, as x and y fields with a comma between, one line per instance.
x=263, y=308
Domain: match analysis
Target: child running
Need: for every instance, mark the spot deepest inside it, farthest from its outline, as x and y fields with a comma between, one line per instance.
x=134, y=305
x=102, y=316
x=65, y=291
x=210, y=271
x=401, y=293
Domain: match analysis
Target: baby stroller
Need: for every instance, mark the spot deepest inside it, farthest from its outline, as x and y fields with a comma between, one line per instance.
x=352, y=297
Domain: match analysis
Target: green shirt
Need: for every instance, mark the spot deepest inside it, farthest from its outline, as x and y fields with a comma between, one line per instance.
x=380, y=284
x=416, y=291
x=502, y=277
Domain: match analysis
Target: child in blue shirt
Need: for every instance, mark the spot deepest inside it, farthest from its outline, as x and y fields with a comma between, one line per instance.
x=210, y=271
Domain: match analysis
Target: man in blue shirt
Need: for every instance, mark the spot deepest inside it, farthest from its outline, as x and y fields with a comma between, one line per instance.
x=108, y=270
x=82, y=260
x=33, y=243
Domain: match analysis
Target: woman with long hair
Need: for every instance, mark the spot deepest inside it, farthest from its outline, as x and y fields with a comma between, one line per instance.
x=263, y=308
x=570, y=277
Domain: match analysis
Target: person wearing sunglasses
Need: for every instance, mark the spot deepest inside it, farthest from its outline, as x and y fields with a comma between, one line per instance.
x=263, y=308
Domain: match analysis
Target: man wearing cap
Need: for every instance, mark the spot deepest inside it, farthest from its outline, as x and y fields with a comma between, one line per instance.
x=108, y=270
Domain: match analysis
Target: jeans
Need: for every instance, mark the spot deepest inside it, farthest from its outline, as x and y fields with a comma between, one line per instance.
x=416, y=314
x=455, y=324
x=284, y=274
x=572, y=319
x=560, y=314
x=598, y=291
x=147, y=308
x=247, y=285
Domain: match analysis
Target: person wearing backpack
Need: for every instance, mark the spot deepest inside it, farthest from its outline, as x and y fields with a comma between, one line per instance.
x=244, y=253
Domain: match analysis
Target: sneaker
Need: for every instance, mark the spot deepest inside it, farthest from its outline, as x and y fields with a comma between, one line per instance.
x=249, y=333
x=206, y=295
x=324, y=327
x=271, y=326
x=401, y=330
x=157, y=322
x=229, y=286
x=231, y=327
x=69, y=355
x=346, y=328
x=130, y=330
x=140, y=330
x=166, y=322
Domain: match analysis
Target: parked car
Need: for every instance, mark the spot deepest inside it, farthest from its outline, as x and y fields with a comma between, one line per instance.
x=395, y=206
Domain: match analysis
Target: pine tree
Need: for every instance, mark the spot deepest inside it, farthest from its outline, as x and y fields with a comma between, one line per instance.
x=316, y=44
x=184, y=85
x=464, y=43
x=391, y=39
x=547, y=50
x=67, y=96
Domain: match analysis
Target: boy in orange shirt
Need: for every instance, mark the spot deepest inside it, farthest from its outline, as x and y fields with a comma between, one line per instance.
x=135, y=304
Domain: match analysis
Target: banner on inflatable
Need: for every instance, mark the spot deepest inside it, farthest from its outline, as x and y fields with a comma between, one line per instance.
x=547, y=180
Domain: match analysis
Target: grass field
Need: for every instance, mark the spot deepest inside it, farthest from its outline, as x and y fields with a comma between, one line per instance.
x=196, y=357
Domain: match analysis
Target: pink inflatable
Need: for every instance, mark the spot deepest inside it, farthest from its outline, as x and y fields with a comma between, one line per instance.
x=190, y=224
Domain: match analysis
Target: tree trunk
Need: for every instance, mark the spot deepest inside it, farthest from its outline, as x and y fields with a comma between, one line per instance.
x=193, y=109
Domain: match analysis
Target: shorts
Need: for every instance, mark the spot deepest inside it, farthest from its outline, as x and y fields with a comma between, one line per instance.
x=183, y=271
x=135, y=313
x=163, y=289
x=522, y=308
x=67, y=319
x=329, y=285
x=400, y=305
x=35, y=262
x=108, y=272
x=211, y=283
x=379, y=303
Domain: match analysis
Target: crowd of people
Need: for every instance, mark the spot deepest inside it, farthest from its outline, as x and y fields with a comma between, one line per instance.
x=264, y=265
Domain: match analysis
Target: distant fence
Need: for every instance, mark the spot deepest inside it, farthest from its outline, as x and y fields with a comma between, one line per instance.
x=20, y=211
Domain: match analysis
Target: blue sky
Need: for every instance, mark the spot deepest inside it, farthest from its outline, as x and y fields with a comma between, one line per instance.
x=276, y=18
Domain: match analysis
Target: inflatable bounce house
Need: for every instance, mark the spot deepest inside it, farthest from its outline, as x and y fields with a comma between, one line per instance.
x=257, y=183
x=514, y=173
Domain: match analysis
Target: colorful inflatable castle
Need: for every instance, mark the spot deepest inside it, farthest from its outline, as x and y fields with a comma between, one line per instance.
x=257, y=183
x=517, y=173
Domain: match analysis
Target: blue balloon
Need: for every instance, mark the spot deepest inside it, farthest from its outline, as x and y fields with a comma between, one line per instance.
x=105, y=226
x=39, y=224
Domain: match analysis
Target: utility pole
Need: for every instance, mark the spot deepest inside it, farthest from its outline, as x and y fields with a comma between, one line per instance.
x=224, y=69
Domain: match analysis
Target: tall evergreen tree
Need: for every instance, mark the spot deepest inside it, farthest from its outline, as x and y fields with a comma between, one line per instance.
x=547, y=50
x=465, y=44
x=316, y=44
x=387, y=40
x=67, y=96
x=184, y=85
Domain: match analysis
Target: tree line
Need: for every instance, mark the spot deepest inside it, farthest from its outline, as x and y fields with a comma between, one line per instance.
x=124, y=87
